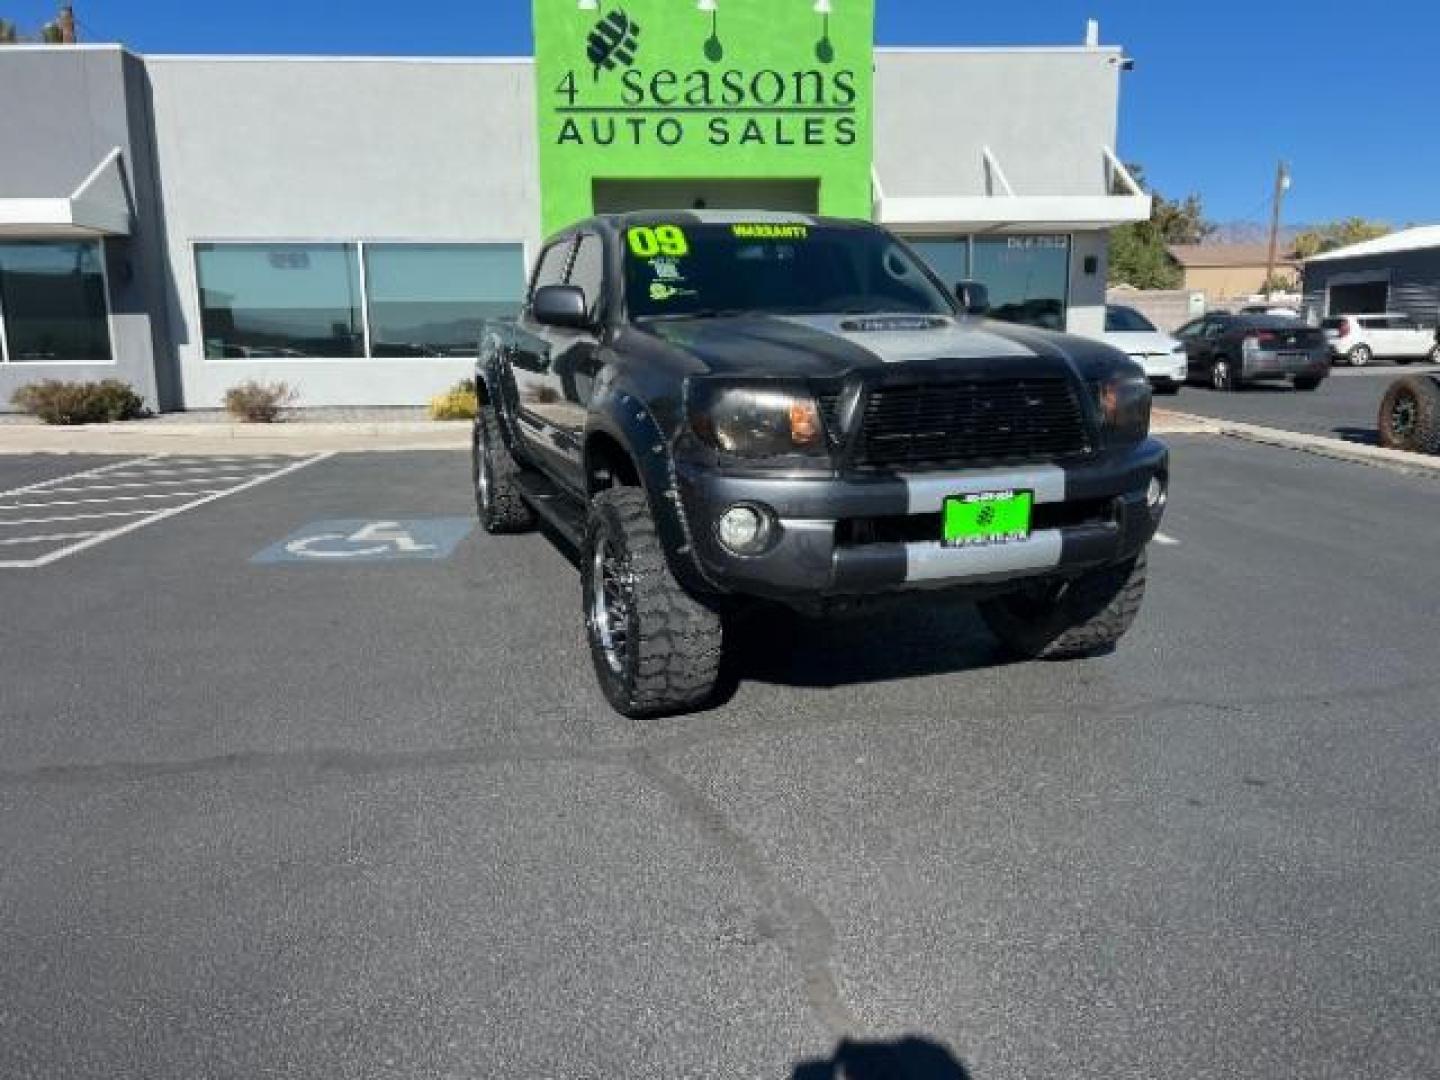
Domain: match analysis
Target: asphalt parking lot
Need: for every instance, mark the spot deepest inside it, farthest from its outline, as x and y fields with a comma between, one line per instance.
x=358, y=809
x=1346, y=406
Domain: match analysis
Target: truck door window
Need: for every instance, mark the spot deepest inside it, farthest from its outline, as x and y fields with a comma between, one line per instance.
x=552, y=266
x=588, y=272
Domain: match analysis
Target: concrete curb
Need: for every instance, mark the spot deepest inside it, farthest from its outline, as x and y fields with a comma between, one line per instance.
x=1323, y=445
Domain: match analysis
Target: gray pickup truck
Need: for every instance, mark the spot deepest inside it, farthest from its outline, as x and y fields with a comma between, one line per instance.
x=725, y=410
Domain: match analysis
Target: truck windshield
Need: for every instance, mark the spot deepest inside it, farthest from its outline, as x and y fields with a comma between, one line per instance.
x=688, y=271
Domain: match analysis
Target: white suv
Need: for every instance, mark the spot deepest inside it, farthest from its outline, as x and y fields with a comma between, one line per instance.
x=1358, y=339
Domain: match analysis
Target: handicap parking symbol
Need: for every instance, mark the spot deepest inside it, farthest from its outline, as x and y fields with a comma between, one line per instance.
x=360, y=541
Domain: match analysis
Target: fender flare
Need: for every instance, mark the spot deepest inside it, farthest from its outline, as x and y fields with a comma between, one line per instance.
x=628, y=421
x=491, y=373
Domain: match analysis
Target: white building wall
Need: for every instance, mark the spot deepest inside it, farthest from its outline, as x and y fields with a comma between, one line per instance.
x=343, y=149
x=320, y=149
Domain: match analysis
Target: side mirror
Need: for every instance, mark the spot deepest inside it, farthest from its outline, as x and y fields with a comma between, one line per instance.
x=561, y=305
x=974, y=298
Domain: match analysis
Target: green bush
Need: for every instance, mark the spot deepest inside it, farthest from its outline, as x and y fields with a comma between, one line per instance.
x=57, y=402
x=457, y=403
x=255, y=402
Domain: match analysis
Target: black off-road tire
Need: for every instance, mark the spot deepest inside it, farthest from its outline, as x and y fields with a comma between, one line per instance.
x=1308, y=382
x=498, y=502
x=1083, y=617
x=671, y=658
x=1410, y=415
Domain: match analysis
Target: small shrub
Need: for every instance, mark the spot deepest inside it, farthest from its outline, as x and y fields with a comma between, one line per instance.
x=457, y=403
x=56, y=402
x=254, y=402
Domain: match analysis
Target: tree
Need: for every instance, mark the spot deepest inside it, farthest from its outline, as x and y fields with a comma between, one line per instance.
x=1138, y=249
x=1337, y=234
x=9, y=34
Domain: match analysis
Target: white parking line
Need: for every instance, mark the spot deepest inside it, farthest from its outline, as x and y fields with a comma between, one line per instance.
x=112, y=498
x=52, y=538
x=1165, y=540
x=76, y=517
x=73, y=543
x=191, y=481
x=101, y=470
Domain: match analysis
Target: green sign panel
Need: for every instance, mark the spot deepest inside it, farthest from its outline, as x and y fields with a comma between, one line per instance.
x=656, y=91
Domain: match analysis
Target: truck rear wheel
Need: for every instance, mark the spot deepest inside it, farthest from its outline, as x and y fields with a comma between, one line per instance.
x=1410, y=415
x=656, y=648
x=1058, y=620
x=498, y=502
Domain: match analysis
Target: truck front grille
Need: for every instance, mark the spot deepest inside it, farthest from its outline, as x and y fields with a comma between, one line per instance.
x=963, y=423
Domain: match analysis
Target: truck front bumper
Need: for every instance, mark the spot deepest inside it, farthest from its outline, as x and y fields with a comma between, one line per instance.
x=853, y=536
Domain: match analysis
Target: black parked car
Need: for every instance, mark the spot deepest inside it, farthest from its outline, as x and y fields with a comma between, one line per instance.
x=1227, y=351
x=721, y=411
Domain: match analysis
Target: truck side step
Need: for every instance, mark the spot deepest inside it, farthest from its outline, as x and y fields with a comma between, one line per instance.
x=559, y=510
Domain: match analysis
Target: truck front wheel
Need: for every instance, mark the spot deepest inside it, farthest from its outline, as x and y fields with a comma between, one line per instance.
x=656, y=648
x=1049, y=620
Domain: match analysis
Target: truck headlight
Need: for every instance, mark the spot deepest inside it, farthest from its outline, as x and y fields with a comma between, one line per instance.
x=1125, y=408
x=756, y=421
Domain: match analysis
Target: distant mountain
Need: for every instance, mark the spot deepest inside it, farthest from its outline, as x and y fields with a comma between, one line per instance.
x=1251, y=232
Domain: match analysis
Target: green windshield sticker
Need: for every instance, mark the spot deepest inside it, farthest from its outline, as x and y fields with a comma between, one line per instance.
x=661, y=292
x=988, y=517
x=771, y=232
x=647, y=242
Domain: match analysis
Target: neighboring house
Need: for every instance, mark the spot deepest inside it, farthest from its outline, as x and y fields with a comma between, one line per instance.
x=1229, y=271
x=1399, y=273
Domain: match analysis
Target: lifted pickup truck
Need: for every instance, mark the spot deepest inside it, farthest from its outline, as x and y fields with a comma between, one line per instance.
x=728, y=409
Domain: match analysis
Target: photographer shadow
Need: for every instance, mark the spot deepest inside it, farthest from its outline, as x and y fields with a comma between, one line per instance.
x=906, y=1059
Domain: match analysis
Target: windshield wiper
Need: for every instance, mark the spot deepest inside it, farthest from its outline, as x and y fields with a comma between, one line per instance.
x=702, y=313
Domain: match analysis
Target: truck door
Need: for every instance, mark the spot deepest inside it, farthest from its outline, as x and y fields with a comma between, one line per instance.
x=530, y=363
x=556, y=366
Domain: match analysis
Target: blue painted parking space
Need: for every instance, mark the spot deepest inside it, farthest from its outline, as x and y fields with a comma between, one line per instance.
x=357, y=540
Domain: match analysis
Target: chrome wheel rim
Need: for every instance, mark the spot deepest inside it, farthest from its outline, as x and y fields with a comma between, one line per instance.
x=610, y=599
x=1220, y=376
x=482, y=470
x=1360, y=356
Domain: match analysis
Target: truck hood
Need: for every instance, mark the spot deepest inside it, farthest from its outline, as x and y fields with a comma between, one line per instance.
x=820, y=346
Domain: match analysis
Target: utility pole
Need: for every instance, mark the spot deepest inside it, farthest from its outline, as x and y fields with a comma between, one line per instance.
x=1282, y=185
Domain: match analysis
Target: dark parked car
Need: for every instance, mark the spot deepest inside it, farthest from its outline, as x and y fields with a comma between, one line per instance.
x=1228, y=351
x=722, y=411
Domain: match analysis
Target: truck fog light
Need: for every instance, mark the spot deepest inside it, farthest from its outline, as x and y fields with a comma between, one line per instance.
x=1156, y=494
x=744, y=530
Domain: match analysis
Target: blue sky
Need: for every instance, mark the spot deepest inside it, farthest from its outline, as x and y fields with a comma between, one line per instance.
x=1222, y=88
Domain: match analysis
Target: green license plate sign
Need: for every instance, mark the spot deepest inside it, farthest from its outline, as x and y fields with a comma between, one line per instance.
x=988, y=517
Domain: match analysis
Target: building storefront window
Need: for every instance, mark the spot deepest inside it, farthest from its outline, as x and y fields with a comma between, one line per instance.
x=1028, y=276
x=429, y=299
x=52, y=303
x=280, y=300
x=312, y=301
x=949, y=258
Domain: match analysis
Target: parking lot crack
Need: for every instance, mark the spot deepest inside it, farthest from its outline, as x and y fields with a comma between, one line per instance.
x=793, y=920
